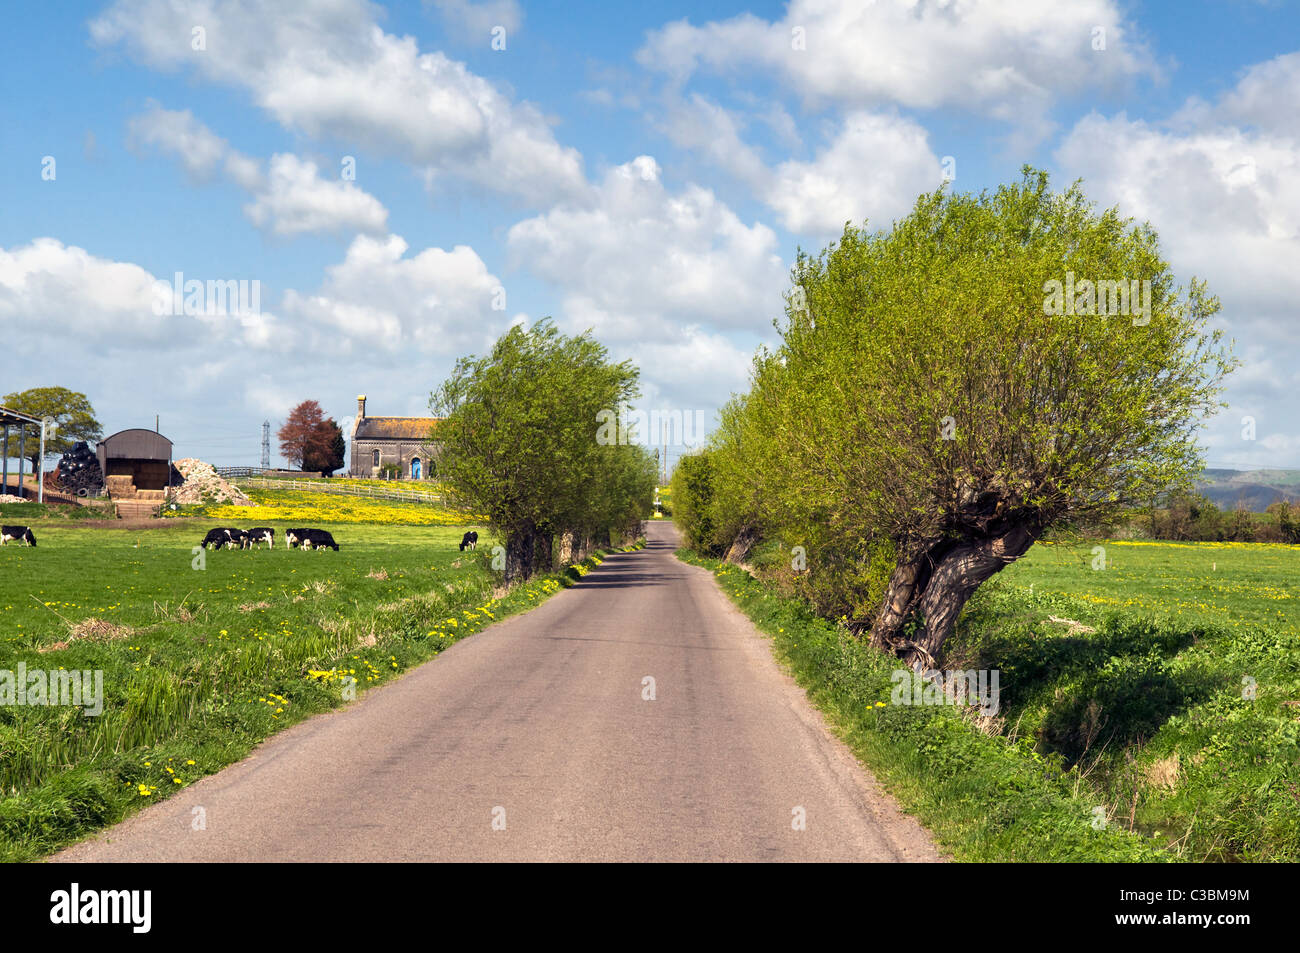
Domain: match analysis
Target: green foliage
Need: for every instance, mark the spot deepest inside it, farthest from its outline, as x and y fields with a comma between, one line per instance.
x=924, y=396
x=984, y=797
x=71, y=411
x=520, y=443
x=692, y=493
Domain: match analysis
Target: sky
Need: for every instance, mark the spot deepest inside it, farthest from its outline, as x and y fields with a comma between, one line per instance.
x=397, y=185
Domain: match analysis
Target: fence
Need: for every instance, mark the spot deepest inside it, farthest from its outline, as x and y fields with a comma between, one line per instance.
x=344, y=489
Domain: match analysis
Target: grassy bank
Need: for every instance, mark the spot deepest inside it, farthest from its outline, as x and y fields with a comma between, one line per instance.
x=1123, y=700
x=202, y=661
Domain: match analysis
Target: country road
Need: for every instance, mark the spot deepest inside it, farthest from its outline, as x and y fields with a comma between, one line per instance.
x=538, y=725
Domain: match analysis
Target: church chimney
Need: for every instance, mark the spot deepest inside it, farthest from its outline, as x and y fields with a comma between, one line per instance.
x=361, y=406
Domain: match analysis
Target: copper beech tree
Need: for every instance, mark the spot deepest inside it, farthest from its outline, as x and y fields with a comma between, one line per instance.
x=306, y=435
x=959, y=385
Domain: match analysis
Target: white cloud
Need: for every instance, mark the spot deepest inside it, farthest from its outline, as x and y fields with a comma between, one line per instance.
x=474, y=22
x=634, y=259
x=324, y=68
x=377, y=299
x=1006, y=58
x=1221, y=185
x=296, y=200
x=290, y=199
x=178, y=133
x=874, y=168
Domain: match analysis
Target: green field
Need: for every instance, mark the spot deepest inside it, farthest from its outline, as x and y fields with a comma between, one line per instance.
x=1149, y=710
x=203, y=659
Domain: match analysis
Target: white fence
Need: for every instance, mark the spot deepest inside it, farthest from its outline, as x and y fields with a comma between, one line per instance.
x=344, y=489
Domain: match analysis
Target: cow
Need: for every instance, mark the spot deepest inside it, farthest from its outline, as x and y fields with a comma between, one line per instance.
x=469, y=541
x=261, y=534
x=295, y=537
x=318, y=539
x=20, y=534
x=218, y=537
x=238, y=539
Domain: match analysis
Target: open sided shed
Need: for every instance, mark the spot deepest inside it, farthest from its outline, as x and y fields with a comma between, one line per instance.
x=143, y=455
x=23, y=425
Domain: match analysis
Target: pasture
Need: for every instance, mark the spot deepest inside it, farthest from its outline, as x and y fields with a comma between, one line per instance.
x=1149, y=710
x=203, y=655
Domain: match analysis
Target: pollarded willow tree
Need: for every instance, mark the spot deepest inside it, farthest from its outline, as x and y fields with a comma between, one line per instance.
x=519, y=443
x=936, y=388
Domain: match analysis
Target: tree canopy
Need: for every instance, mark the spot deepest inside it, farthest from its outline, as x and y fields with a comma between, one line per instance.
x=519, y=443
x=72, y=412
x=931, y=392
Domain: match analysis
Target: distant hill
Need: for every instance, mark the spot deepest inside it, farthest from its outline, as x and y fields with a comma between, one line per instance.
x=1256, y=490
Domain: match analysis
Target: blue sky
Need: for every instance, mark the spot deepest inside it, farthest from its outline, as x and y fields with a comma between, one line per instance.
x=647, y=171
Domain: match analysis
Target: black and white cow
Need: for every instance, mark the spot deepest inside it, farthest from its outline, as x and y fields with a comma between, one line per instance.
x=318, y=539
x=218, y=537
x=17, y=534
x=469, y=541
x=261, y=534
x=295, y=537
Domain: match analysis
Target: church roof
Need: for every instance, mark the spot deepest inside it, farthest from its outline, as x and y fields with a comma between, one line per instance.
x=394, y=428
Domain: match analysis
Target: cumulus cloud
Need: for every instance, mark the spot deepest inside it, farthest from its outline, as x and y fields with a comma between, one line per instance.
x=1006, y=58
x=326, y=69
x=1221, y=184
x=296, y=200
x=377, y=298
x=290, y=199
x=634, y=256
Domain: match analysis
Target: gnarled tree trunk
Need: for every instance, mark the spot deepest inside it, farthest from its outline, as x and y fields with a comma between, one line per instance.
x=742, y=544
x=935, y=587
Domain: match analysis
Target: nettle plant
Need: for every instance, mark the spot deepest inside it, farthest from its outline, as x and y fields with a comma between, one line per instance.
x=922, y=395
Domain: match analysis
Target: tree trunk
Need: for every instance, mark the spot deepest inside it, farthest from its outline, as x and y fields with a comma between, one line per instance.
x=521, y=553
x=568, y=546
x=545, y=552
x=742, y=544
x=936, y=588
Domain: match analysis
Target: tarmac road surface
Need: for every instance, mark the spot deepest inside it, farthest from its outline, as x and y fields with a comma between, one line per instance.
x=534, y=741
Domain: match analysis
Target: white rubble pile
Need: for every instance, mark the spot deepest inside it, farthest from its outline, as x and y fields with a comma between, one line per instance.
x=11, y=498
x=203, y=485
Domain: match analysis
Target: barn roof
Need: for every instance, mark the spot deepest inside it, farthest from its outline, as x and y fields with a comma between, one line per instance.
x=395, y=428
x=136, y=444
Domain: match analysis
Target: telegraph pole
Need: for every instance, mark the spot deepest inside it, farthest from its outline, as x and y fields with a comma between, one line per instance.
x=266, y=444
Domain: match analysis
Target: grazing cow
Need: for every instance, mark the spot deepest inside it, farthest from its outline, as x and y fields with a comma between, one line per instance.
x=20, y=534
x=319, y=539
x=469, y=541
x=218, y=538
x=262, y=534
x=295, y=537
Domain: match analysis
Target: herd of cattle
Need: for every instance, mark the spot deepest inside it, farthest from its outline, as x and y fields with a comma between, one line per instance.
x=230, y=538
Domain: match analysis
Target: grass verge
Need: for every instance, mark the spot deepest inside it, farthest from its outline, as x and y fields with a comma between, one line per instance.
x=984, y=797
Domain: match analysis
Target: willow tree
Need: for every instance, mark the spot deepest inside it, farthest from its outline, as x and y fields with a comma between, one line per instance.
x=955, y=387
x=519, y=442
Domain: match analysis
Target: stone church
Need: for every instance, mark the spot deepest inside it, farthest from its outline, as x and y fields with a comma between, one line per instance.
x=401, y=441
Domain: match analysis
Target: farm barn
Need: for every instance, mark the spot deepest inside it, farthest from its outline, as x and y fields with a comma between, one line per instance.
x=26, y=428
x=137, y=468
